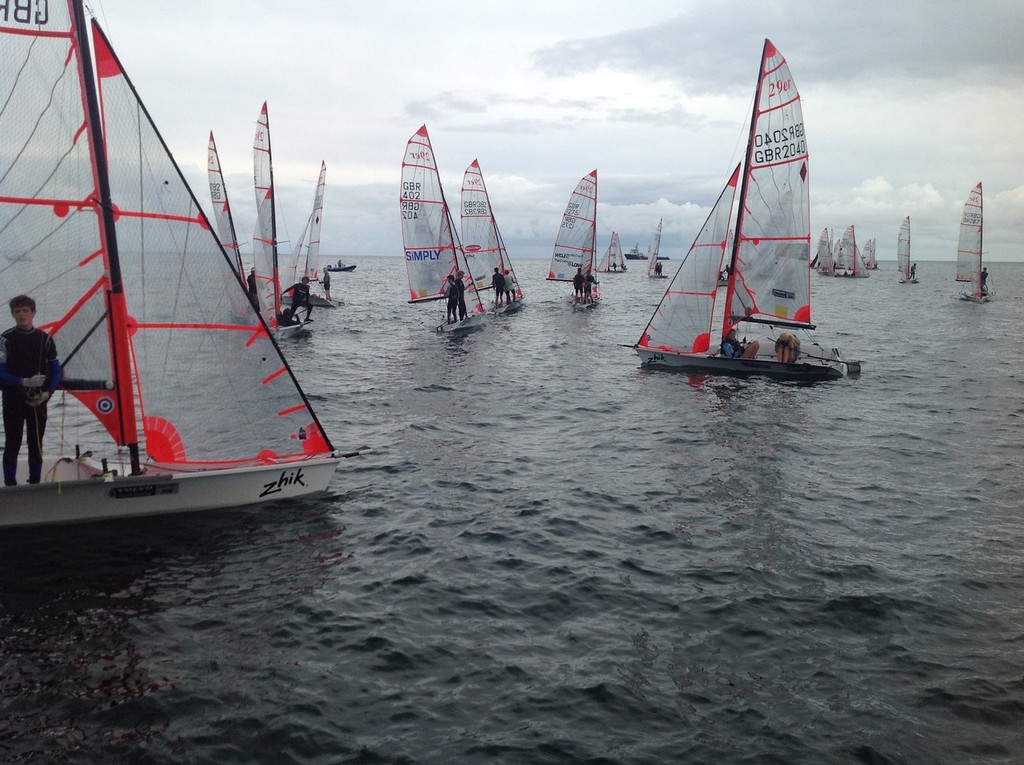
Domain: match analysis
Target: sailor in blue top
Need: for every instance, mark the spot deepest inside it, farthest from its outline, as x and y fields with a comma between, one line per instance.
x=29, y=373
x=732, y=348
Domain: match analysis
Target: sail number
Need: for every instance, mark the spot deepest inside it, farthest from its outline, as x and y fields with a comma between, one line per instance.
x=411, y=191
x=470, y=207
x=785, y=143
x=25, y=11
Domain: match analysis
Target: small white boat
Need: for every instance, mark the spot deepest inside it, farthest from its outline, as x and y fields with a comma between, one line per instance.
x=339, y=267
x=654, y=268
x=576, y=240
x=968, y=252
x=613, y=261
x=908, y=274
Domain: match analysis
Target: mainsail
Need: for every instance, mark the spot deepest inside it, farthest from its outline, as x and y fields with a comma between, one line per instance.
x=221, y=207
x=305, y=261
x=903, y=250
x=481, y=240
x=264, y=241
x=575, y=242
x=769, y=274
x=968, y=251
x=432, y=250
x=652, y=254
x=613, y=259
x=824, y=255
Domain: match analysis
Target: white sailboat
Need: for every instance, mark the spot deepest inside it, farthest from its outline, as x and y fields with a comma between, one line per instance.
x=613, y=261
x=908, y=275
x=849, y=261
x=432, y=249
x=769, y=270
x=576, y=239
x=306, y=258
x=654, y=269
x=142, y=313
x=869, y=255
x=825, y=265
x=264, y=242
x=968, y=252
x=482, y=242
x=221, y=207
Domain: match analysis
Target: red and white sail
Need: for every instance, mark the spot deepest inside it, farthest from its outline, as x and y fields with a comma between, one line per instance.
x=432, y=249
x=769, y=277
x=222, y=208
x=264, y=241
x=481, y=239
x=577, y=234
x=968, y=251
x=682, y=321
x=613, y=259
x=306, y=258
x=826, y=265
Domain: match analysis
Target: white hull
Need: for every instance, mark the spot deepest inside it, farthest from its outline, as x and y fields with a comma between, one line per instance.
x=506, y=308
x=975, y=298
x=76, y=491
x=805, y=369
x=292, y=329
x=471, y=322
x=908, y=281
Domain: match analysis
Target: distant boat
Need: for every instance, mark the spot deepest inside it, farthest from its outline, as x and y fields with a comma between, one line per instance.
x=849, y=261
x=653, y=264
x=482, y=242
x=968, y=253
x=769, y=273
x=825, y=265
x=613, y=261
x=576, y=239
x=908, y=274
x=87, y=173
x=339, y=266
x=264, y=243
x=432, y=249
x=869, y=255
x=635, y=254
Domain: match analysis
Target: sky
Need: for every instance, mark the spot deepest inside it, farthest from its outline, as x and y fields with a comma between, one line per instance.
x=907, y=105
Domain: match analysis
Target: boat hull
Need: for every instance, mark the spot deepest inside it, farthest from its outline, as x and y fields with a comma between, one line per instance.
x=339, y=269
x=78, y=491
x=470, y=323
x=806, y=369
x=975, y=298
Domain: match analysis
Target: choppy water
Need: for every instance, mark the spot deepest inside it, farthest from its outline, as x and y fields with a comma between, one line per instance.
x=553, y=556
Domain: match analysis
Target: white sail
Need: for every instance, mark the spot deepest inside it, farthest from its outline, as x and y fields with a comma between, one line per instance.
x=432, y=250
x=264, y=241
x=903, y=250
x=652, y=253
x=682, y=321
x=577, y=234
x=869, y=255
x=968, y=251
x=481, y=240
x=850, y=260
x=143, y=309
x=305, y=260
x=221, y=207
x=769, y=275
x=826, y=265
x=613, y=259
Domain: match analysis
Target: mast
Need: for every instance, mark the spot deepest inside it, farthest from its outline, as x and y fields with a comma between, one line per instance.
x=736, y=240
x=116, y=303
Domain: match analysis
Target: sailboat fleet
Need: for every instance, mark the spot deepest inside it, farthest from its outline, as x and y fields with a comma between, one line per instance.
x=746, y=273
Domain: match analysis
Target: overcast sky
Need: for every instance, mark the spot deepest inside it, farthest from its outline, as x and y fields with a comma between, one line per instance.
x=907, y=106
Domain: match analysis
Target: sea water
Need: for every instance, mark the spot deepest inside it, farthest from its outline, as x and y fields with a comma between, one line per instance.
x=553, y=555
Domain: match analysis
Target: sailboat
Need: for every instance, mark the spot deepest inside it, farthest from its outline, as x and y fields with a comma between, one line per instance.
x=221, y=207
x=482, y=242
x=825, y=265
x=653, y=264
x=432, y=249
x=613, y=262
x=307, y=252
x=968, y=251
x=142, y=317
x=907, y=276
x=869, y=255
x=849, y=261
x=576, y=239
x=769, y=271
x=264, y=242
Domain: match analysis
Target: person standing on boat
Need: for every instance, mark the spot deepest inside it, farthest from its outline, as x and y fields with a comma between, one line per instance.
x=913, y=271
x=498, y=283
x=787, y=347
x=250, y=283
x=984, y=279
x=732, y=348
x=588, y=287
x=511, y=287
x=29, y=373
x=657, y=268
x=300, y=298
x=451, y=292
x=460, y=291
x=326, y=282
x=577, y=285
